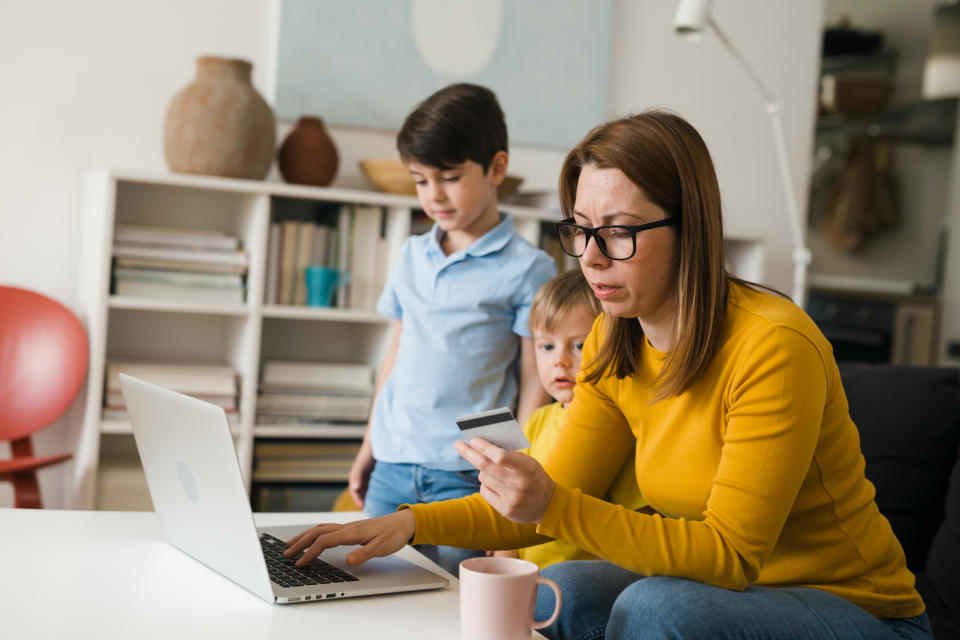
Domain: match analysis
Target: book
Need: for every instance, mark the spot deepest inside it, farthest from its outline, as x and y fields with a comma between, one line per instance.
x=184, y=378
x=169, y=236
x=238, y=258
x=342, y=253
x=176, y=265
x=317, y=406
x=298, y=448
x=288, y=256
x=273, y=265
x=318, y=252
x=305, y=234
x=185, y=278
x=365, y=235
x=325, y=375
x=123, y=287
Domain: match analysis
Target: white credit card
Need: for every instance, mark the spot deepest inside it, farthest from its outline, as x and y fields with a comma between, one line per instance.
x=497, y=426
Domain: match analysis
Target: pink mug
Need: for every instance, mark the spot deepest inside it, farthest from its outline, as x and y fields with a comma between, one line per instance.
x=497, y=599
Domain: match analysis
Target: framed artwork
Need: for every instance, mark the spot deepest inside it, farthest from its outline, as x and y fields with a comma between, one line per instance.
x=368, y=63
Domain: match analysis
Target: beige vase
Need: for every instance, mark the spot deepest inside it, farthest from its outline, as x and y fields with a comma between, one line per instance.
x=218, y=124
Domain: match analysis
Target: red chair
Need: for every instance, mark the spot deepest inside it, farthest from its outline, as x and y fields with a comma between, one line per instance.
x=43, y=362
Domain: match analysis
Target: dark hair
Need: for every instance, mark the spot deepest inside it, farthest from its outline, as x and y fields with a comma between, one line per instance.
x=457, y=123
x=666, y=158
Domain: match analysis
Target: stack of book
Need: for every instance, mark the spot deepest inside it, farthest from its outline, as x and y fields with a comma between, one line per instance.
x=215, y=384
x=185, y=264
x=350, y=239
x=315, y=393
x=303, y=461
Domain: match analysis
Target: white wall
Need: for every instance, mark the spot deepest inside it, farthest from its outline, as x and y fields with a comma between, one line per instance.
x=87, y=84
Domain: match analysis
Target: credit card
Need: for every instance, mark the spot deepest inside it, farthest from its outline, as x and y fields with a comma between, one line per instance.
x=497, y=426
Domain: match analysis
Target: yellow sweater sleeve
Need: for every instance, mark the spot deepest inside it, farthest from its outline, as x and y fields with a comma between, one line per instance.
x=773, y=410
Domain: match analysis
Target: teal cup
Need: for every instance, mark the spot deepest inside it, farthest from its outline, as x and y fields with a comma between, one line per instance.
x=322, y=282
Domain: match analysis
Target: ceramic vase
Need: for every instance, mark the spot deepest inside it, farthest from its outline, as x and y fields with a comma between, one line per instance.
x=308, y=155
x=219, y=125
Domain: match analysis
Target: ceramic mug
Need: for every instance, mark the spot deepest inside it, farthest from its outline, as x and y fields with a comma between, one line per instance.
x=322, y=282
x=497, y=599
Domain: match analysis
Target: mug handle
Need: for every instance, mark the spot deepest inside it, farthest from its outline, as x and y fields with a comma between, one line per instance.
x=343, y=278
x=556, y=612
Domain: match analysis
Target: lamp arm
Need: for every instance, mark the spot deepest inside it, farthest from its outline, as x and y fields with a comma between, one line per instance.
x=801, y=254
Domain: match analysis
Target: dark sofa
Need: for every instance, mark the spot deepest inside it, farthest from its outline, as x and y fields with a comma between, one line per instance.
x=909, y=422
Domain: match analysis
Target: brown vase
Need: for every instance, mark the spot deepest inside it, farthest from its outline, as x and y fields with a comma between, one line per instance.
x=308, y=155
x=219, y=125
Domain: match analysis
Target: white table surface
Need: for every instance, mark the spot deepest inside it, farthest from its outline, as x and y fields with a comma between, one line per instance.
x=103, y=574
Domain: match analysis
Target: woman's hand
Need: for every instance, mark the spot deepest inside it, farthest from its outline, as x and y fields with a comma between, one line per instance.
x=378, y=537
x=512, y=483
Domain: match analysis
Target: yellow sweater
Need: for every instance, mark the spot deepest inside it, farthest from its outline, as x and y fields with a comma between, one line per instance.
x=542, y=428
x=757, y=468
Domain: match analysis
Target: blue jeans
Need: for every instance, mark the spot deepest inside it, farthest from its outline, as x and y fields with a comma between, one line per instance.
x=394, y=484
x=602, y=600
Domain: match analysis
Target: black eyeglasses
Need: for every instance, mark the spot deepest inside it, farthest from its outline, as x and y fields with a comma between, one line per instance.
x=616, y=241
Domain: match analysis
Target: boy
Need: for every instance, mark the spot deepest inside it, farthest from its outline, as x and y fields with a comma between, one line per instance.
x=459, y=296
x=561, y=316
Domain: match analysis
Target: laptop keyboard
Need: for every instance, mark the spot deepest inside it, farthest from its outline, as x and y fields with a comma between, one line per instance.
x=283, y=571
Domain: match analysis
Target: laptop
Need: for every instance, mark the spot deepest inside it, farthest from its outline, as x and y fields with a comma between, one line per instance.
x=198, y=493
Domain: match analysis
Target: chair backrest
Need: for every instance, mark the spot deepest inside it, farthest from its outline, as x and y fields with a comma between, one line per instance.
x=43, y=361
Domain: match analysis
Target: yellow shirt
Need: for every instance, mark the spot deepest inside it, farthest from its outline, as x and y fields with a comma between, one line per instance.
x=756, y=466
x=541, y=429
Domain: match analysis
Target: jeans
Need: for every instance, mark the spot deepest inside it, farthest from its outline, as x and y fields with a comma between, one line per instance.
x=602, y=600
x=393, y=484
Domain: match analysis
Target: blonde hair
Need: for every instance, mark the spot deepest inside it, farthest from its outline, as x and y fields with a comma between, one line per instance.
x=668, y=160
x=558, y=297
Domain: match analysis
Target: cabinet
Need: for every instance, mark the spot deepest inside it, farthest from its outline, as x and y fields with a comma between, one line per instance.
x=240, y=335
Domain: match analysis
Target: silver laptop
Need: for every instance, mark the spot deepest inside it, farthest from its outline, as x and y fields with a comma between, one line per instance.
x=194, y=477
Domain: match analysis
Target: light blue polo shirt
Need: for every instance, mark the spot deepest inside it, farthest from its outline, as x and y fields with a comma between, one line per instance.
x=459, y=351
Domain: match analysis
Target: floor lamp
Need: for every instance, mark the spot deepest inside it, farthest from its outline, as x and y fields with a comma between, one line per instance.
x=691, y=20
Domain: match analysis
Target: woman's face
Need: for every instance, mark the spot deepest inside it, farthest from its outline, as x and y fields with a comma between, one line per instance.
x=644, y=286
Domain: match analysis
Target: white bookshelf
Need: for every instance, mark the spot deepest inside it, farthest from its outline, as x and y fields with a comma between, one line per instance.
x=239, y=335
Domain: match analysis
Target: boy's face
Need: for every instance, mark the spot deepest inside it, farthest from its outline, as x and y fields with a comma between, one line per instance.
x=462, y=199
x=559, y=352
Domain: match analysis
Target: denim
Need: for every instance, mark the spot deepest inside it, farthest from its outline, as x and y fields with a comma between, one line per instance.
x=394, y=484
x=602, y=600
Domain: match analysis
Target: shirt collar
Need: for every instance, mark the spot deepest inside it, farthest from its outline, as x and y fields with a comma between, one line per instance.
x=493, y=240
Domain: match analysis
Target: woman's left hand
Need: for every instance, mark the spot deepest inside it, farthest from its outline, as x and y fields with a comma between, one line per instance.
x=512, y=483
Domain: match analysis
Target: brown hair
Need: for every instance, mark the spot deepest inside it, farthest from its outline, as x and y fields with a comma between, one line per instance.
x=666, y=158
x=558, y=296
x=457, y=123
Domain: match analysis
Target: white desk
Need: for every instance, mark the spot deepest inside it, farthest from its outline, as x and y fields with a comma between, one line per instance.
x=102, y=574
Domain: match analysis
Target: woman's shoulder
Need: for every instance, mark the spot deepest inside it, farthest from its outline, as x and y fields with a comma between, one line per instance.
x=754, y=311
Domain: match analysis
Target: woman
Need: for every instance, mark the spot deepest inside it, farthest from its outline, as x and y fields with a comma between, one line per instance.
x=765, y=524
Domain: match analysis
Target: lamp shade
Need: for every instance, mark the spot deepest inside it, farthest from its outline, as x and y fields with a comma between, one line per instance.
x=691, y=17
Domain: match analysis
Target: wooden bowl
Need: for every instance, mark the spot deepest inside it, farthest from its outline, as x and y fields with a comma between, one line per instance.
x=390, y=175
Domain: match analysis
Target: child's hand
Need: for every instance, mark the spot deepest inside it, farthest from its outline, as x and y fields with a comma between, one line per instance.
x=512, y=483
x=504, y=553
x=360, y=476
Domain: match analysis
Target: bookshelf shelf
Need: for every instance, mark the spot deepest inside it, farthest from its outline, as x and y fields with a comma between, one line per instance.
x=176, y=306
x=322, y=313
x=122, y=427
